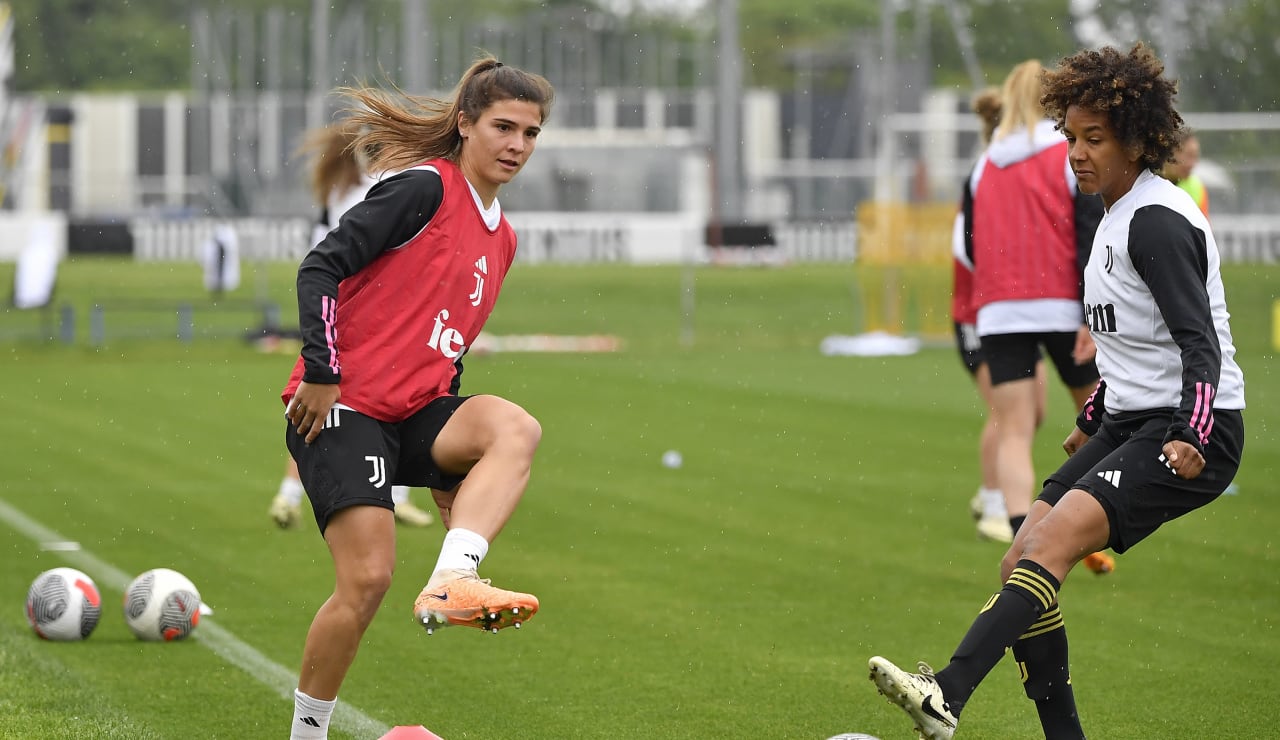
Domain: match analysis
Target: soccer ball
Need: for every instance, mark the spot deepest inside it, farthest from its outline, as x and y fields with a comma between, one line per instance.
x=63, y=604
x=161, y=605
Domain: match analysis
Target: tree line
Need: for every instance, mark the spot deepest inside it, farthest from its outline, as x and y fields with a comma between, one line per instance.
x=1225, y=52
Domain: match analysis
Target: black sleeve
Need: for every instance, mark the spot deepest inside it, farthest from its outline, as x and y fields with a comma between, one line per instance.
x=1088, y=214
x=391, y=214
x=1090, y=417
x=1171, y=257
x=966, y=209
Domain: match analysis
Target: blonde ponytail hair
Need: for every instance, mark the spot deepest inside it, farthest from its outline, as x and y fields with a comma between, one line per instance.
x=1020, y=99
x=333, y=160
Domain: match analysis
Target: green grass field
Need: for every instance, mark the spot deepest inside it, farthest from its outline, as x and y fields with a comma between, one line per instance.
x=820, y=517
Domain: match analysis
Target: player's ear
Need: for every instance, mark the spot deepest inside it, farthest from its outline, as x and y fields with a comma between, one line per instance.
x=1133, y=151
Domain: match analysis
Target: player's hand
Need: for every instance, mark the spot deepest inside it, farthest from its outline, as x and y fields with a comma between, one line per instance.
x=1074, y=441
x=444, y=502
x=310, y=406
x=1084, y=350
x=1183, y=459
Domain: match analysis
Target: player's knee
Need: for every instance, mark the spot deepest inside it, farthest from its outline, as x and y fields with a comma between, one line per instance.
x=521, y=430
x=1008, y=563
x=367, y=586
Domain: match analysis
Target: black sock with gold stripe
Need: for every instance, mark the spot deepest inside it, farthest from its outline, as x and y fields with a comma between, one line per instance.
x=1041, y=653
x=1029, y=593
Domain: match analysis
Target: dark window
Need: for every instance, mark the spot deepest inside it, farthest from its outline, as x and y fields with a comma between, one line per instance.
x=150, y=140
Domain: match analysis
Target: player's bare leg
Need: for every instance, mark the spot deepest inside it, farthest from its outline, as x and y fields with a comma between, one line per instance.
x=1013, y=407
x=493, y=441
x=987, y=506
x=361, y=541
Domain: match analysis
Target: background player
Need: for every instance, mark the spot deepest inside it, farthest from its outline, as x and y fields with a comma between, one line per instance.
x=987, y=505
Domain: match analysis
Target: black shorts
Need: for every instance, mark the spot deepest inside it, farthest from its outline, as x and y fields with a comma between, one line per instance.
x=1014, y=357
x=969, y=345
x=1122, y=466
x=357, y=459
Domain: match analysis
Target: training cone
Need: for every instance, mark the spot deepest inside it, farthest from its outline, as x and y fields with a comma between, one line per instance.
x=417, y=732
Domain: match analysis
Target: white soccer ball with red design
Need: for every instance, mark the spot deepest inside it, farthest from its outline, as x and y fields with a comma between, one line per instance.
x=162, y=605
x=63, y=604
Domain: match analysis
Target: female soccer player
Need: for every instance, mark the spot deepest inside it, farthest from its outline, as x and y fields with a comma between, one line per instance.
x=1163, y=433
x=388, y=304
x=987, y=506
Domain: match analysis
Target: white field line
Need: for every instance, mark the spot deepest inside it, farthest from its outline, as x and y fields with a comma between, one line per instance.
x=226, y=645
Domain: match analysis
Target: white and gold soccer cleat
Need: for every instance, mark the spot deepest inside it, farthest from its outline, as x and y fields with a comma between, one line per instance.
x=409, y=514
x=917, y=694
x=284, y=513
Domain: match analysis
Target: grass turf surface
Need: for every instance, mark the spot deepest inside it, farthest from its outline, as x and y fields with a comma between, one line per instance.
x=820, y=517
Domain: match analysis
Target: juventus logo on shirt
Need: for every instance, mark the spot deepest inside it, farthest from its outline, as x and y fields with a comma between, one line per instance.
x=1111, y=261
x=482, y=269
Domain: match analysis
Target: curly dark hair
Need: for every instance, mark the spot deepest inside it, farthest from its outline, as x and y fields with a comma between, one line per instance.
x=1130, y=89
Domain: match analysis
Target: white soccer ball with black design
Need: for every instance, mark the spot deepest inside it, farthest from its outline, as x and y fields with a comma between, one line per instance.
x=161, y=605
x=63, y=604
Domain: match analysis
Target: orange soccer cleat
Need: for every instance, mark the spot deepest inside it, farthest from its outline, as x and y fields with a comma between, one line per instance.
x=461, y=598
x=1100, y=563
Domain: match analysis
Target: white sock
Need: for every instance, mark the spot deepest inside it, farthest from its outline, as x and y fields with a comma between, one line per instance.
x=310, y=717
x=291, y=489
x=399, y=494
x=992, y=503
x=462, y=550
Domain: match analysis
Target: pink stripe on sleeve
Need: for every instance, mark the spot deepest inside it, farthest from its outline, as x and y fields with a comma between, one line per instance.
x=329, y=312
x=1088, y=404
x=1202, y=414
x=1195, y=410
x=1206, y=420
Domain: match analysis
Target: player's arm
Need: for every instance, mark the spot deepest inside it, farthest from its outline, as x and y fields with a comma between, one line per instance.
x=395, y=210
x=966, y=212
x=1088, y=420
x=1171, y=256
x=1090, y=416
x=962, y=234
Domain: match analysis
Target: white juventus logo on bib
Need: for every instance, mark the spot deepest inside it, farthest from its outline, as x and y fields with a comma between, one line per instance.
x=379, y=476
x=482, y=269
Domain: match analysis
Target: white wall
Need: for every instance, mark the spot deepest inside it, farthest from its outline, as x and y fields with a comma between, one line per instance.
x=104, y=153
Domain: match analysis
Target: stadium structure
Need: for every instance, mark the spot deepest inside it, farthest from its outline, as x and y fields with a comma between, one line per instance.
x=655, y=153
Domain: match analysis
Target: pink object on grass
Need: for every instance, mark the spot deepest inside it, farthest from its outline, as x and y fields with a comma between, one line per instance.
x=416, y=732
